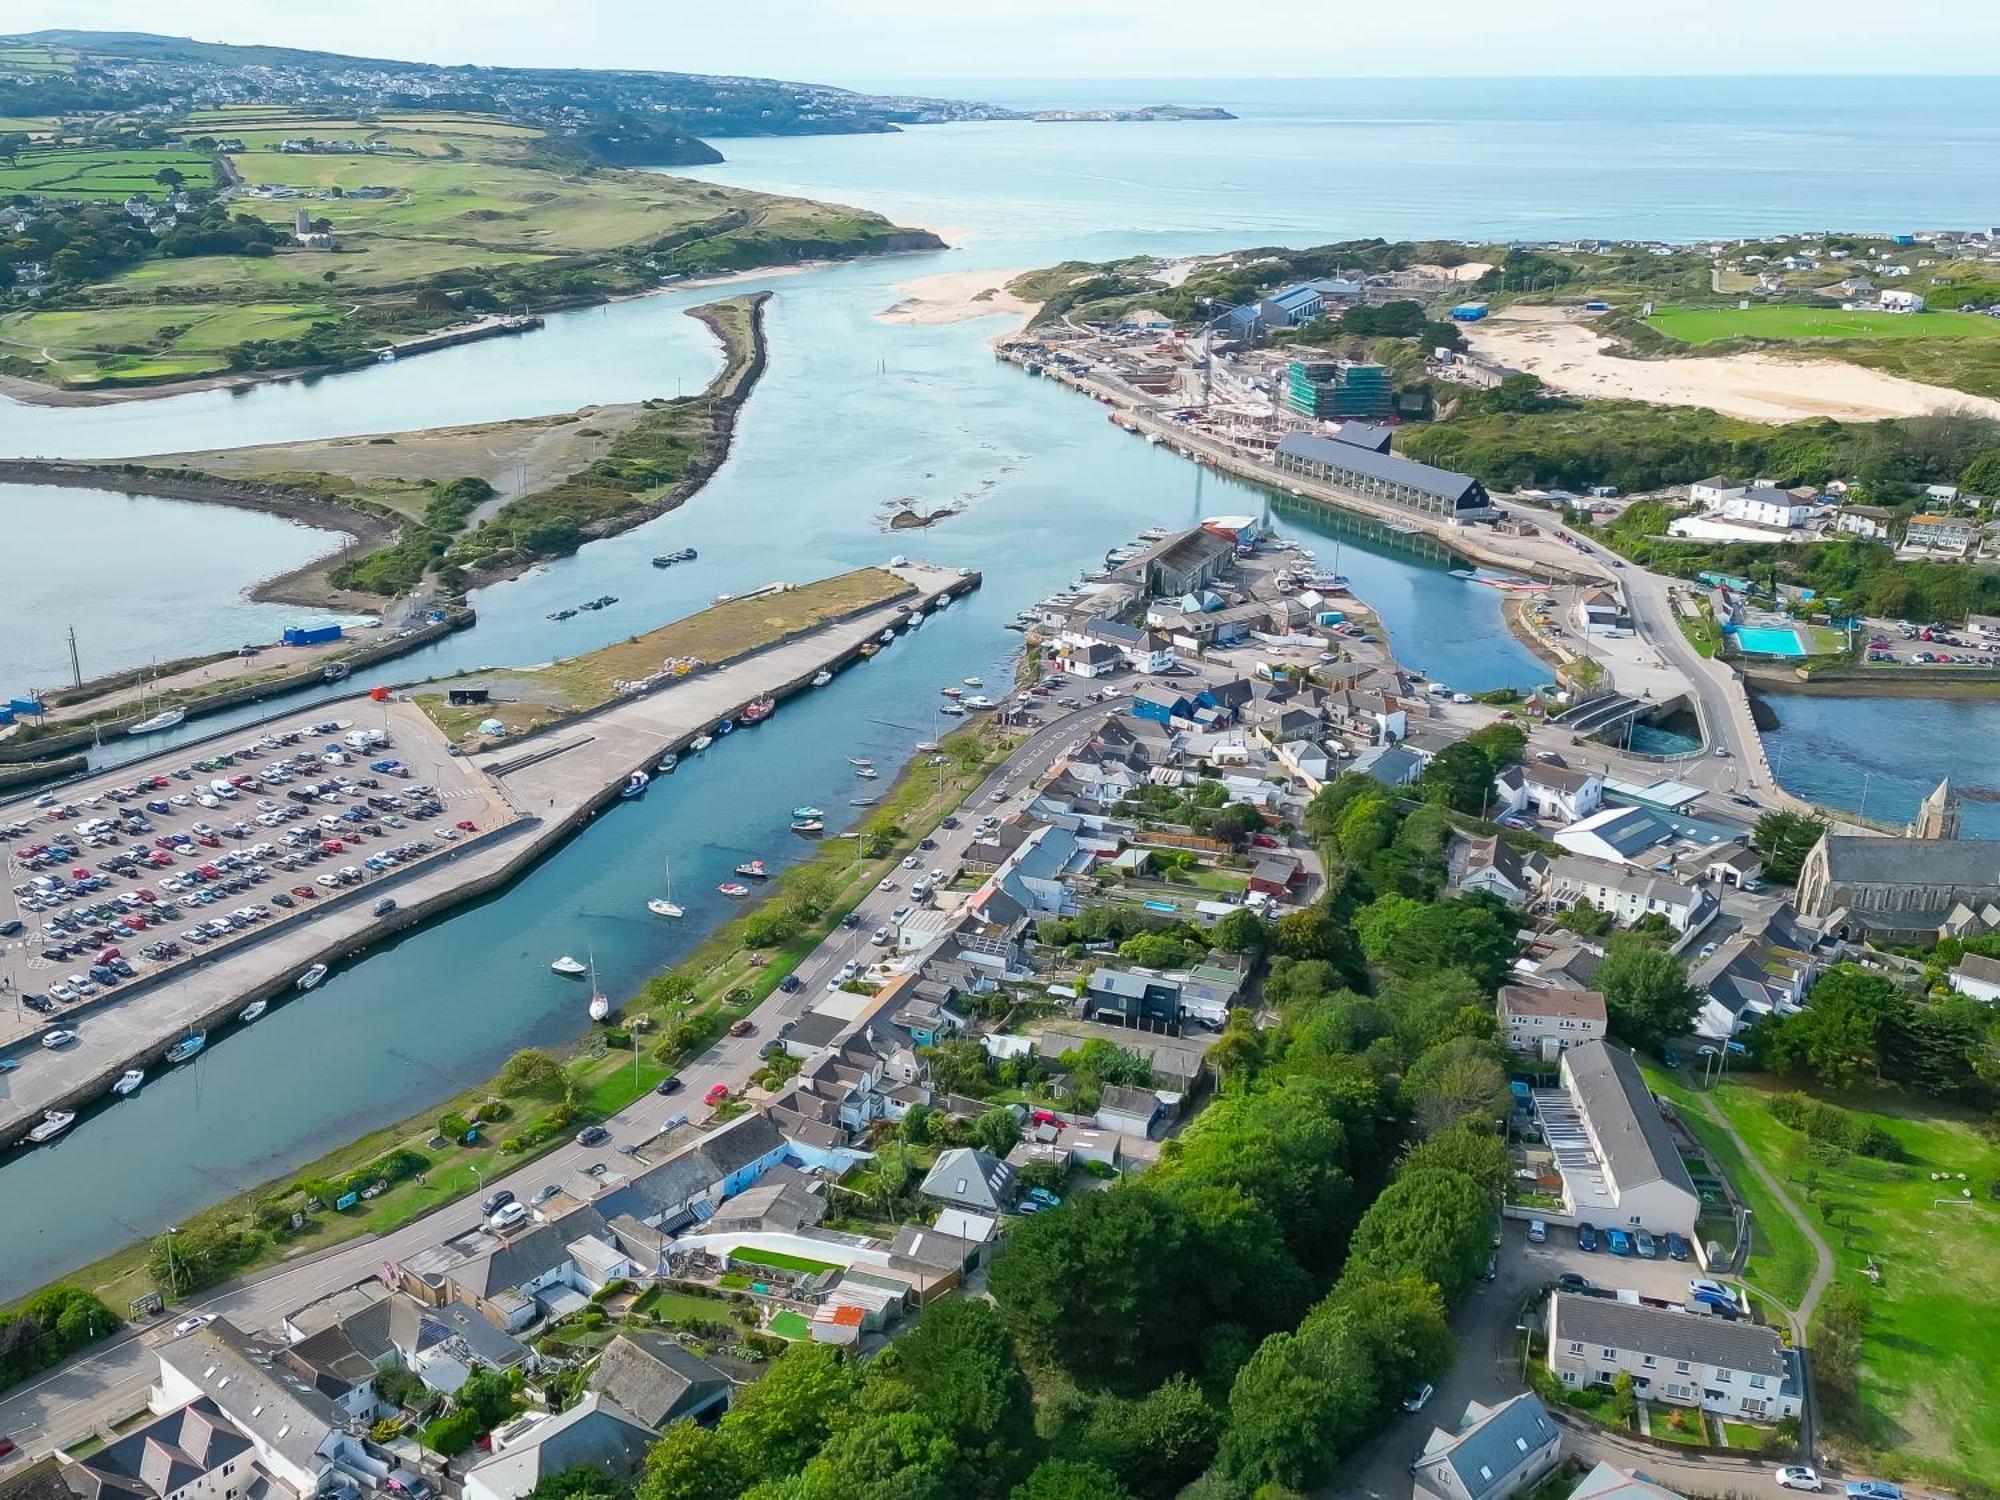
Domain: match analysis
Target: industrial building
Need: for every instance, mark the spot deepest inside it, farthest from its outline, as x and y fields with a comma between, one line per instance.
x=1384, y=477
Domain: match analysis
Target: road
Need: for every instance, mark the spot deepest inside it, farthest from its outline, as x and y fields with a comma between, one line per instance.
x=111, y=1381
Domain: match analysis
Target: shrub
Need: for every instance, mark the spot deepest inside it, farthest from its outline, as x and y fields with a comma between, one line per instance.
x=453, y=1126
x=453, y=1434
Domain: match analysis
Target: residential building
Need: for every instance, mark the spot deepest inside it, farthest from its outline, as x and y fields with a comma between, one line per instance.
x=1734, y=865
x=1708, y=493
x=969, y=1178
x=1947, y=534
x=1326, y=389
x=1092, y=660
x=1547, y=1022
x=1619, y=1163
x=1133, y=996
x=1599, y=611
x=1767, y=505
x=191, y=1453
x=1495, y=1453
x=1130, y=1111
x=1728, y=1366
x=1559, y=794
x=1383, y=477
x=1494, y=866
x=593, y=1434
x=1871, y=522
x=1608, y=1483
x=653, y=1378
x=1372, y=435
x=1765, y=967
x=1392, y=765
x=1894, y=301
x=1629, y=894
x=1977, y=976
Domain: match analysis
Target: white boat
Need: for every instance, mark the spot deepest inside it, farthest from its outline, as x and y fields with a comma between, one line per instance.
x=310, y=978
x=54, y=1123
x=667, y=763
x=915, y=620
x=973, y=681
x=665, y=906
x=956, y=710
x=159, y=721
x=635, y=786
x=886, y=637
x=978, y=700
x=569, y=968
x=860, y=760
x=128, y=1082
x=702, y=742
x=253, y=1010
x=600, y=1003
x=822, y=678
x=866, y=773
x=187, y=1047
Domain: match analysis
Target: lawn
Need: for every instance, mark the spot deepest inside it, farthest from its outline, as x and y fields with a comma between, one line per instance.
x=791, y=1325
x=1930, y=1386
x=86, y=172
x=157, y=341
x=777, y=1260
x=1746, y=1435
x=1779, y=321
x=681, y=1307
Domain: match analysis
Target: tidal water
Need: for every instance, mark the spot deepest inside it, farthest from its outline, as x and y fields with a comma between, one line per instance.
x=854, y=414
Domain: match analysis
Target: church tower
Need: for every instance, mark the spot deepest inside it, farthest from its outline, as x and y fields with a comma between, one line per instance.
x=1937, y=815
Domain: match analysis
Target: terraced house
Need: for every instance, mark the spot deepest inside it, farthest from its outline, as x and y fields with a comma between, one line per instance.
x=1732, y=1368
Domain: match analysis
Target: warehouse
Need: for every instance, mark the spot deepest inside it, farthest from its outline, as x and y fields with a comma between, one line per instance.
x=1384, y=477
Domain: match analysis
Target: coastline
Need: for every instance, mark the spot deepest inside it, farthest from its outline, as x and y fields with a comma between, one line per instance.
x=959, y=297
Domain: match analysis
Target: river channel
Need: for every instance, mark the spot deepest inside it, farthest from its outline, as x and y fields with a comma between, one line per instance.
x=854, y=414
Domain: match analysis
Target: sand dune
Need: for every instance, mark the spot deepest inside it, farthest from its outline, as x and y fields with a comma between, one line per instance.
x=957, y=297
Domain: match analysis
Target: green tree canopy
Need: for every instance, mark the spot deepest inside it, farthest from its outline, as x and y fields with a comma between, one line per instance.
x=1647, y=998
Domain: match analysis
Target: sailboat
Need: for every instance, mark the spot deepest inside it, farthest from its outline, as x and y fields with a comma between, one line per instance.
x=600, y=1003
x=665, y=906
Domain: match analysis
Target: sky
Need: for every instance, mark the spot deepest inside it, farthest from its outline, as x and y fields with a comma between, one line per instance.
x=874, y=42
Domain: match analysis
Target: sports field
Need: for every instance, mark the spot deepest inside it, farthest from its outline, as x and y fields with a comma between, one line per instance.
x=82, y=172
x=1779, y=321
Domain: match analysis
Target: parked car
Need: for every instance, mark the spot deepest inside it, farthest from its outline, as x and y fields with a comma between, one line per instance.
x=496, y=1201
x=1798, y=1477
x=1538, y=1232
x=510, y=1217
x=741, y=1027
x=1569, y=1281
x=668, y=1085
x=1619, y=1241
x=1586, y=1236
x=715, y=1095
x=1873, y=1489
x=1677, y=1247
x=1645, y=1244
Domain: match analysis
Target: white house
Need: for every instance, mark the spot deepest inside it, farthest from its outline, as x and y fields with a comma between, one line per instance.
x=1620, y=1166
x=1895, y=301
x=1495, y=1453
x=1767, y=505
x=1548, y=1022
x=1708, y=492
x=1495, y=867
x=1728, y=1366
x=1599, y=612
x=1627, y=893
x=1560, y=794
x=1977, y=976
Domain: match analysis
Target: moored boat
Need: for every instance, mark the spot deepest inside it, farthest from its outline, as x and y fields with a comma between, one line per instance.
x=861, y=760
x=159, y=721
x=731, y=888
x=600, y=1003
x=886, y=637
x=187, y=1047
x=866, y=773
x=54, y=1123
x=667, y=762
x=128, y=1082
x=253, y=1010
x=979, y=700
x=725, y=726
x=635, y=785
x=666, y=906
x=758, y=710
x=868, y=649
x=954, y=708
x=310, y=978
x=808, y=825
x=951, y=692
x=701, y=742
x=973, y=681
x=804, y=811
x=822, y=677
x=569, y=968
x=752, y=869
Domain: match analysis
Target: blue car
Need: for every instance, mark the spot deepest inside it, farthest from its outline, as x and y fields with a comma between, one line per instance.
x=1677, y=1247
x=1619, y=1241
x=1873, y=1489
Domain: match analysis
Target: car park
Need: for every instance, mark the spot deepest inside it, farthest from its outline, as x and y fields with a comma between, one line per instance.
x=1618, y=1242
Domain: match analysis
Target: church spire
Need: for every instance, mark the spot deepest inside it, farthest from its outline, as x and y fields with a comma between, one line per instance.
x=1937, y=815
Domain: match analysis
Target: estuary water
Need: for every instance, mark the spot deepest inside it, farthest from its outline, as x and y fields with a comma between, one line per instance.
x=856, y=413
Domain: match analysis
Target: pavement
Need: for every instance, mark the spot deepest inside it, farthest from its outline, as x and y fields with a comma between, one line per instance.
x=110, y=1381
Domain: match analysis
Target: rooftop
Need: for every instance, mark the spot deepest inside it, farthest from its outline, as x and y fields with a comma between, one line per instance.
x=1526, y=1000
x=1627, y=1124
x=1669, y=1334
x=1383, y=466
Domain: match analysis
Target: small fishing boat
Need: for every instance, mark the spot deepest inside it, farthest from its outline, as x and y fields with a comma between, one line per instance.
x=310, y=978
x=128, y=1082
x=54, y=1123
x=807, y=812
x=758, y=710
x=956, y=710
x=886, y=637
x=667, y=763
x=333, y=671
x=860, y=760
x=822, y=678
x=187, y=1047
x=731, y=888
x=943, y=601
x=702, y=742
x=562, y=614
x=951, y=692
x=973, y=681
x=569, y=968
x=752, y=869
x=253, y=1010
x=915, y=619
x=979, y=700
x=600, y=1003
x=725, y=726
x=862, y=801
x=665, y=906
x=635, y=785
x=159, y=721
x=868, y=649
x=808, y=825
x=866, y=773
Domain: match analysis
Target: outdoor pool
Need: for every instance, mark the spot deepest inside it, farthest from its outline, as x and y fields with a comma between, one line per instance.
x=1166, y=906
x=1769, y=640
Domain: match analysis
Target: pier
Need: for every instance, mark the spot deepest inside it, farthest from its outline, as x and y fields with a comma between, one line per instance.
x=524, y=797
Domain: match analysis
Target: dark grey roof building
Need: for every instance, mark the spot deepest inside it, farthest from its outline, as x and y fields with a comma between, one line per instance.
x=1401, y=482
x=651, y=1376
x=1497, y=1452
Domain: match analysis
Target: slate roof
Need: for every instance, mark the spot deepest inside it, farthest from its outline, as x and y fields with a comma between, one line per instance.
x=1527, y=1000
x=1124, y=1100
x=1668, y=1334
x=1494, y=1440
x=593, y=1432
x=1854, y=860
x=1979, y=967
x=1372, y=435
x=1637, y=1146
x=1606, y=1483
x=242, y=1376
x=969, y=1176
x=653, y=1378
x=165, y=1455
x=1384, y=466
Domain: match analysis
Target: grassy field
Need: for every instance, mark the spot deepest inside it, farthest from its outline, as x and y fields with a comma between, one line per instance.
x=158, y=341
x=84, y=172
x=1930, y=1385
x=714, y=635
x=1782, y=321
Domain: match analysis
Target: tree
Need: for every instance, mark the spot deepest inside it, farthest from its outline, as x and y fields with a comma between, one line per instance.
x=957, y=1368
x=1158, y=950
x=959, y=1065
x=1240, y=1048
x=1783, y=840
x=1062, y=1479
x=12, y=144
x=1468, y=1148
x=489, y=1395
x=1324, y=812
x=1459, y=1081
x=1366, y=827
x=580, y=1482
x=996, y=1132
x=1836, y=1039
x=1308, y=933
x=693, y=1463
x=1242, y=931
x=1503, y=743
x=1156, y=1444
x=531, y=1071
x=1647, y=998
x=1412, y=937
x=169, y=178
x=1460, y=776
x=1300, y=1403
x=1428, y=1223
x=783, y=1419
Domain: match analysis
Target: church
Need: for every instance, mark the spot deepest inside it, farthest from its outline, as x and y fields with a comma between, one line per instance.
x=1929, y=884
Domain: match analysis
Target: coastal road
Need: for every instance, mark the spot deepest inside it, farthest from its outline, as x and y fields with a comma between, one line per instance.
x=111, y=1381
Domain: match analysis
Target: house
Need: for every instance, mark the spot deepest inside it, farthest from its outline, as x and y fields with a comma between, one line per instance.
x=651, y=1377
x=1599, y=611
x=1894, y=301
x=1607, y=1483
x=1708, y=493
x=193, y=1452
x=1767, y=505
x=1130, y=1111
x=1947, y=534
x=1280, y=876
x=1371, y=717
x=297, y=1435
x=1133, y=996
x=1560, y=794
x=1093, y=660
x=1977, y=976
x=1546, y=1022
x=1767, y=966
x=593, y=1434
x=967, y=1177
x=1494, y=866
x=1495, y=1453
x=1383, y=477
x=1619, y=1163
x=1868, y=521
x=1392, y=765
x=1734, y=865
x=1732, y=1367
x=1620, y=835
x=1627, y=893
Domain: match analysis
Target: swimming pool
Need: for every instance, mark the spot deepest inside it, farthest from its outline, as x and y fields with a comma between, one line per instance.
x=1161, y=906
x=1769, y=640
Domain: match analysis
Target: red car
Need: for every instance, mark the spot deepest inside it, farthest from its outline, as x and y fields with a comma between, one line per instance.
x=716, y=1095
x=305, y=893
x=6, y=1446
x=466, y=825
x=208, y=841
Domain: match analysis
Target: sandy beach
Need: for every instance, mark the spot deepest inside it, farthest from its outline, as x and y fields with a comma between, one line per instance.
x=957, y=297
x=1572, y=357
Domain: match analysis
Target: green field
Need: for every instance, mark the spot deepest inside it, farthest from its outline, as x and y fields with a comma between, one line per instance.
x=81, y=172
x=779, y=1261
x=157, y=341
x=1930, y=1386
x=1783, y=321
